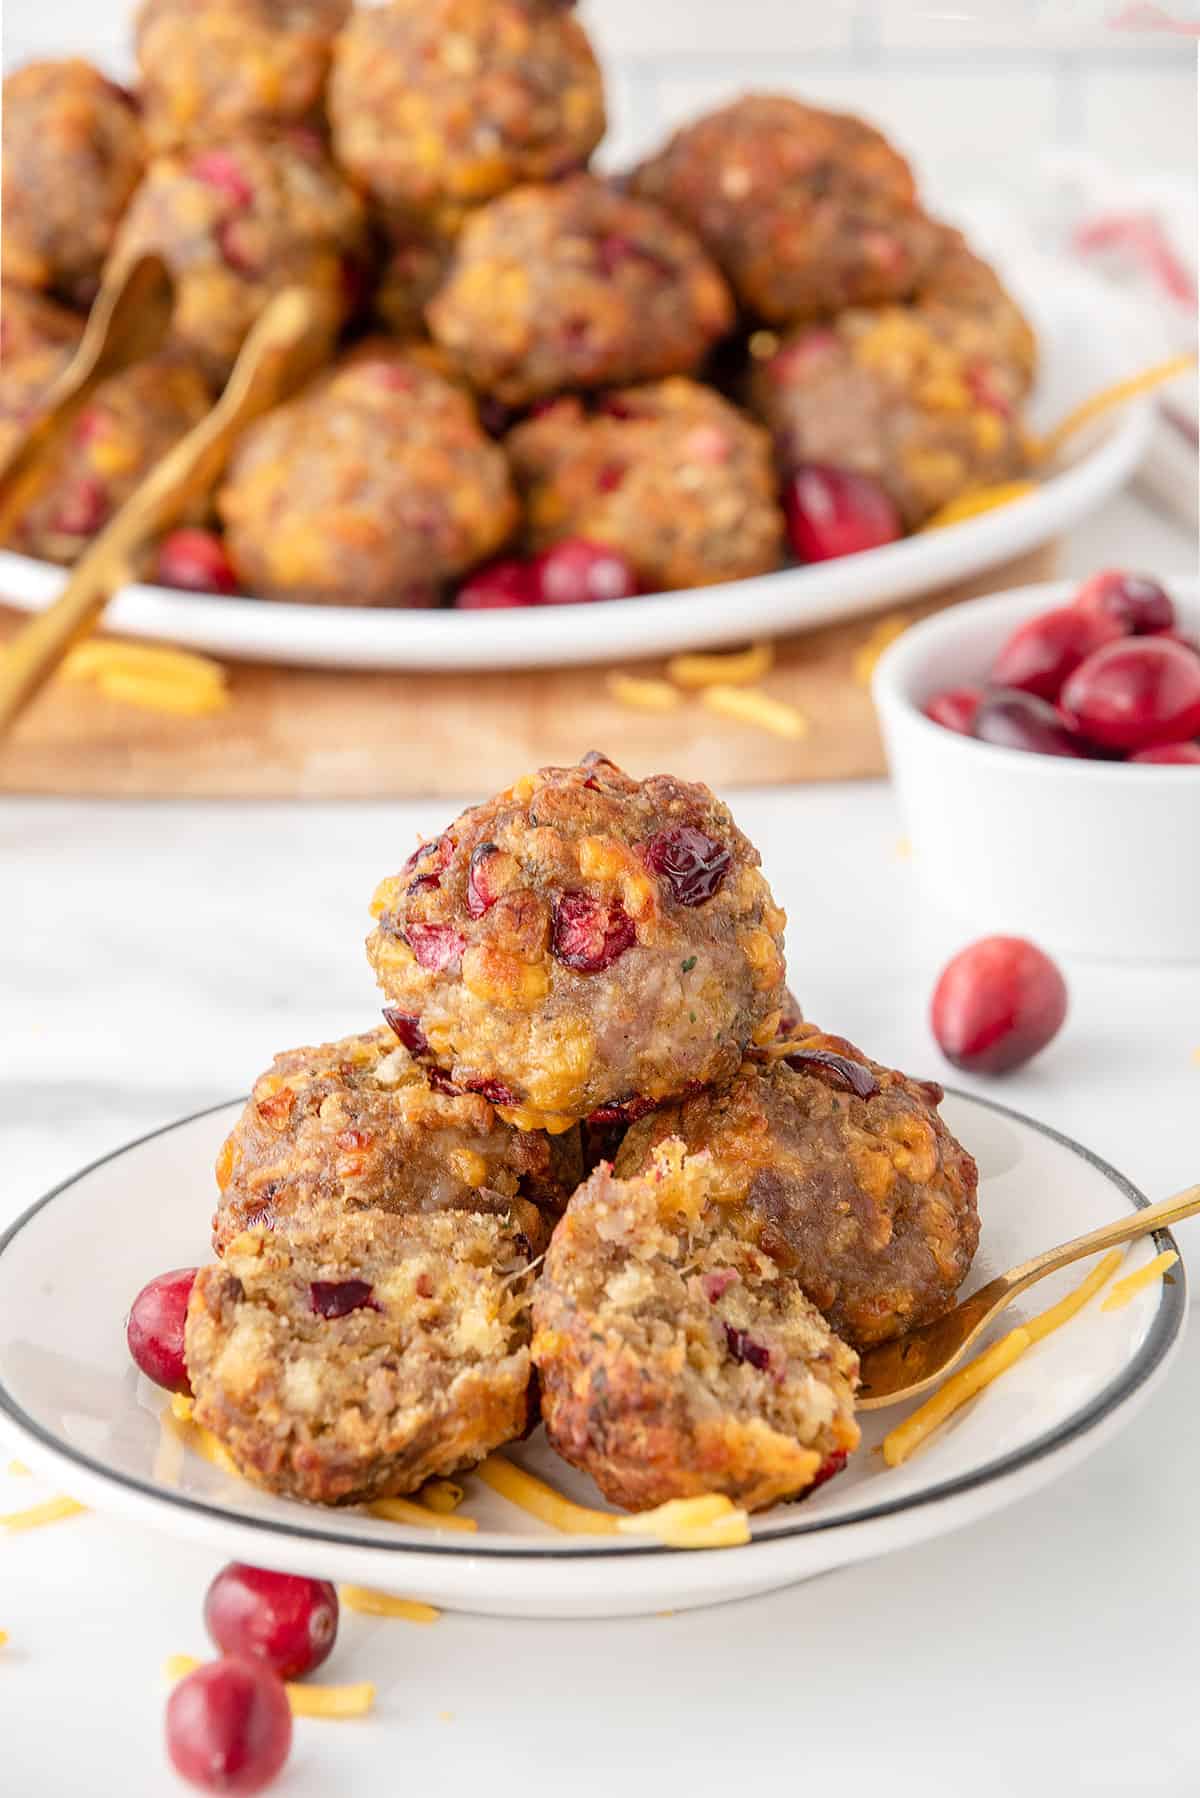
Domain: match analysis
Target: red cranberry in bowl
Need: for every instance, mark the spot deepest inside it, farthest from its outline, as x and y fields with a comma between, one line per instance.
x=287, y=1621
x=1133, y=694
x=1133, y=601
x=1043, y=651
x=1179, y=754
x=833, y=512
x=1022, y=721
x=578, y=572
x=229, y=1726
x=955, y=709
x=154, y=1331
x=997, y=1004
x=498, y=586
x=196, y=561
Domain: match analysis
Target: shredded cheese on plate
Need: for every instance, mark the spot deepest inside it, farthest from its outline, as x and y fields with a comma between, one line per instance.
x=711, y=1521
x=977, y=500
x=403, y=1510
x=1128, y=1288
x=442, y=1496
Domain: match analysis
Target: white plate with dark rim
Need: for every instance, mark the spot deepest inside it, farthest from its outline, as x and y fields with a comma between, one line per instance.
x=72, y=1402
x=1089, y=335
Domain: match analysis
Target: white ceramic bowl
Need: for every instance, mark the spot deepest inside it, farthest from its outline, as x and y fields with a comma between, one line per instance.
x=1087, y=858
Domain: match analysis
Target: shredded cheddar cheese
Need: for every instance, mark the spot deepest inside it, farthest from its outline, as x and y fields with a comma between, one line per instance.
x=382, y=1604
x=18, y=1470
x=542, y=1501
x=867, y=655
x=1133, y=1283
x=3, y=1637
x=713, y=1521
x=334, y=1702
x=749, y=705
x=643, y=695
x=52, y=1511
x=403, y=1510
x=165, y=680
x=181, y=1407
x=977, y=500
x=179, y=1420
x=442, y=1496
x=1057, y=1315
x=1107, y=398
x=741, y=668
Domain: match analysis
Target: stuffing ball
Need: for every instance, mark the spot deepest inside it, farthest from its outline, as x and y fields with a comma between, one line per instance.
x=674, y=1357
x=369, y=489
x=31, y=321
x=583, y=945
x=73, y=154
x=671, y=474
x=576, y=285
x=843, y=1173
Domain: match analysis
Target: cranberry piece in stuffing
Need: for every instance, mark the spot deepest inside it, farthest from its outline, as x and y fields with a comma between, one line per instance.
x=437, y=947
x=693, y=864
x=588, y=935
x=220, y=170
x=406, y=1027
x=338, y=1298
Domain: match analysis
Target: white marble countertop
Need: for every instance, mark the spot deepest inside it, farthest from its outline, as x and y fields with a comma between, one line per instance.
x=152, y=959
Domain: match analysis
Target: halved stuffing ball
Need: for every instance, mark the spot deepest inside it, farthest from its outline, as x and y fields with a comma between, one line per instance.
x=671, y=474
x=73, y=154
x=369, y=489
x=576, y=285
x=807, y=211
x=31, y=321
x=362, y=1355
x=238, y=222
x=674, y=1357
x=229, y=66
x=923, y=398
x=355, y=1125
x=124, y=431
x=439, y=105
x=585, y=944
x=843, y=1173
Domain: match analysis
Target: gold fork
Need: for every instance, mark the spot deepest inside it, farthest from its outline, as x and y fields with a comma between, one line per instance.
x=899, y=1370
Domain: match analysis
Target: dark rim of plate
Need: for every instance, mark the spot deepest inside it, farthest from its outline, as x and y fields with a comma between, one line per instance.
x=1163, y=1332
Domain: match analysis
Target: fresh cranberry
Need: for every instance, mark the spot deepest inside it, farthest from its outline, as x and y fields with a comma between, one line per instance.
x=1135, y=602
x=480, y=892
x=692, y=864
x=588, y=935
x=498, y=586
x=834, y=1070
x=406, y=1027
x=196, y=561
x=220, y=169
x=1022, y=721
x=1191, y=644
x=437, y=947
x=1131, y=695
x=955, y=709
x=1167, y=753
x=338, y=1298
x=82, y=509
x=576, y=573
x=832, y=512
x=154, y=1331
x=287, y=1621
x=1043, y=651
x=229, y=1726
x=997, y=1004
x=742, y=1347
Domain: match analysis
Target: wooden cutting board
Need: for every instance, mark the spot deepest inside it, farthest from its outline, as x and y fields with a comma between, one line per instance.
x=293, y=733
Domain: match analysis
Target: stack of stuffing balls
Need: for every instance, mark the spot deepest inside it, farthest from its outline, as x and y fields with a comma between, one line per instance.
x=593, y=1169
x=551, y=386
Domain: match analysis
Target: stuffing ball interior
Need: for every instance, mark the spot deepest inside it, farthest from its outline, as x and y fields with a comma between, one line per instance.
x=355, y=1126
x=584, y=943
x=674, y=1357
x=843, y=1173
x=362, y=1355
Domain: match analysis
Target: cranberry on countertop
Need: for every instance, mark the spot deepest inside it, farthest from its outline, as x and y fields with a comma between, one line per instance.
x=229, y=1726
x=1134, y=601
x=154, y=1331
x=498, y=586
x=1022, y=721
x=832, y=512
x=287, y=1621
x=955, y=709
x=196, y=561
x=577, y=572
x=997, y=1004
x=1135, y=693
x=1043, y=651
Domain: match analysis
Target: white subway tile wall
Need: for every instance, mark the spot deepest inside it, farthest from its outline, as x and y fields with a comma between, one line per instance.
x=973, y=89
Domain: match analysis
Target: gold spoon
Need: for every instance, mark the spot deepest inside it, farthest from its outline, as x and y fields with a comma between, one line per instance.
x=898, y=1370
x=290, y=341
